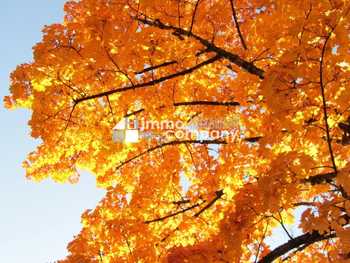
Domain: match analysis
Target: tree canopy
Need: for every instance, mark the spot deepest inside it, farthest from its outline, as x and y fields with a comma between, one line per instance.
x=279, y=68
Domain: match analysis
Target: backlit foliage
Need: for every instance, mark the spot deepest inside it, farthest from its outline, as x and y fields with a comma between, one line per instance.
x=281, y=66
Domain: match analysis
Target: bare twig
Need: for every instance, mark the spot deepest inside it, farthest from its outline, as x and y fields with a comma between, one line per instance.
x=117, y=66
x=150, y=83
x=234, y=14
x=324, y=102
x=171, y=143
x=167, y=63
x=173, y=214
x=194, y=15
x=260, y=243
x=283, y=226
x=191, y=103
x=207, y=103
x=218, y=195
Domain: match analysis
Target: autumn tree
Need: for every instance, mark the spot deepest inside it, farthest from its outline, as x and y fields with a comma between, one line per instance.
x=280, y=67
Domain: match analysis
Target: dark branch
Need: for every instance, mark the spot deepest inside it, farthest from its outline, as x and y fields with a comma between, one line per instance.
x=117, y=66
x=253, y=139
x=171, y=143
x=324, y=103
x=172, y=214
x=234, y=14
x=194, y=15
x=261, y=242
x=157, y=66
x=304, y=241
x=207, y=103
x=150, y=83
x=191, y=103
x=234, y=58
x=181, y=202
x=218, y=195
x=320, y=178
x=134, y=113
x=69, y=118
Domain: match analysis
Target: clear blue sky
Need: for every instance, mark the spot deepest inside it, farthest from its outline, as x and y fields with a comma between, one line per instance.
x=37, y=220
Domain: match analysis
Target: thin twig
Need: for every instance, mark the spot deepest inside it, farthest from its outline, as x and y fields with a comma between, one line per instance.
x=260, y=243
x=171, y=143
x=283, y=226
x=194, y=15
x=234, y=14
x=150, y=83
x=167, y=63
x=174, y=214
x=218, y=195
x=324, y=102
x=207, y=103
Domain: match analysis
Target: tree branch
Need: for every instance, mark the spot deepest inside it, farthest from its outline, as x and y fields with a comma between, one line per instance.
x=191, y=103
x=304, y=240
x=252, y=139
x=234, y=14
x=207, y=103
x=150, y=83
x=171, y=143
x=324, y=102
x=218, y=195
x=260, y=243
x=167, y=63
x=173, y=214
x=194, y=15
x=117, y=66
x=234, y=58
x=320, y=178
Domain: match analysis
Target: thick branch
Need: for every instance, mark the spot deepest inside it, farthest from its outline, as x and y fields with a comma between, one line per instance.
x=134, y=113
x=150, y=83
x=304, y=240
x=234, y=58
x=320, y=178
x=253, y=139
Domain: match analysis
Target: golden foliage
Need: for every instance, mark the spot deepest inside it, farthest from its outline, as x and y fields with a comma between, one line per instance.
x=281, y=66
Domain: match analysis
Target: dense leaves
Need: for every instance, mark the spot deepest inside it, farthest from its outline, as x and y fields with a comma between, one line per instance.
x=279, y=68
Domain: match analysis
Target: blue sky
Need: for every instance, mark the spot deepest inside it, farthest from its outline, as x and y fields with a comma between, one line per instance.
x=37, y=220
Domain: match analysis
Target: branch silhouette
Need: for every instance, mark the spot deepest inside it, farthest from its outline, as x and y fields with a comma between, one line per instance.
x=233, y=58
x=171, y=143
